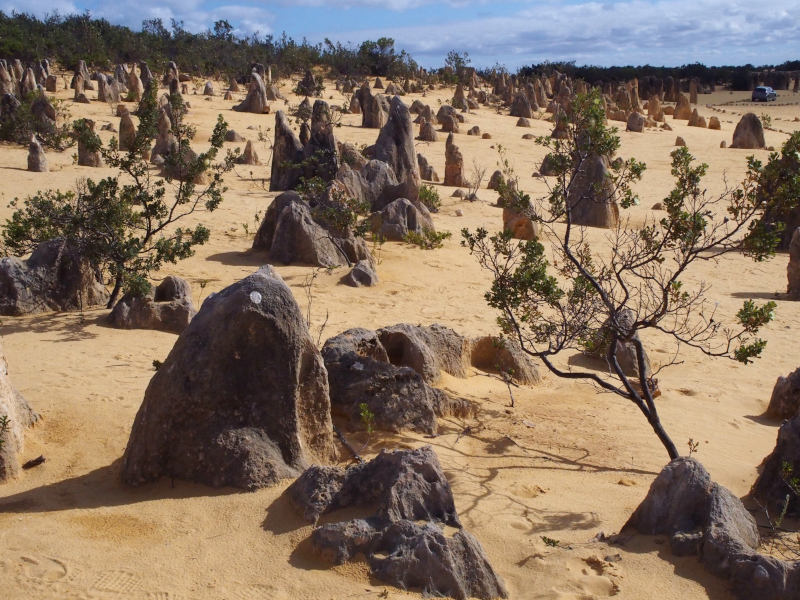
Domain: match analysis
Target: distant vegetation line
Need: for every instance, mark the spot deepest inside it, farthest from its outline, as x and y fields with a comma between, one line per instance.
x=71, y=38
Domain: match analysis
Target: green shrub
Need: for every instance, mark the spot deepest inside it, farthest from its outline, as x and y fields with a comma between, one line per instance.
x=429, y=196
x=428, y=239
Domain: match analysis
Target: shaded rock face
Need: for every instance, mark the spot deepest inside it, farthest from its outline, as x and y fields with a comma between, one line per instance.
x=785, y=400
x=127, y=131
x=208, y=89
x=683, y=109
x=426, y=170
x=242, y=398
x=37, y=161
x=308, y=85
x=405, y=487
x=361, y=275
x=256, y=99
x=374, y=109
x=496, y=180
x=288, y=152
x=55, y=277
x=459, y=99
x=703, y=518
x=400, y=217
x=496, y=355
x=520, y=226
x=749, y=133
x=771, y=488
x=453, y=164
x=626, y=349
x=395, y=147
x=591, y=195
x=320, y=149
x=88, y=156
x=360, y=371
x=249, y=156
x=20, y=416
x=636, y=122
x=290, y=235
x=427, y=132
x=521, y=107
x=713, y=123
x=167, y=308
x=793, y=269
x=374, y=183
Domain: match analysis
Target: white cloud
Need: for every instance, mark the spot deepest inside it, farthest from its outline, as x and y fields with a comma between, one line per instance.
x=633, y=32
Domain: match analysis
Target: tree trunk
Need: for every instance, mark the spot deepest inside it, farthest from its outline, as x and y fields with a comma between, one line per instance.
x=115, y=292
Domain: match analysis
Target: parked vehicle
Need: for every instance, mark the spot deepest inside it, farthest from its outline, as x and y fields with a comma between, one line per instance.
x=763, y=94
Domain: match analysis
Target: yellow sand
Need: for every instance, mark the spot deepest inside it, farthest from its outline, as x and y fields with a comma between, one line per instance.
x=567, y=462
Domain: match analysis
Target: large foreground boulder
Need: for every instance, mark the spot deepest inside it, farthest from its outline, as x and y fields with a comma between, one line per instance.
x=290, y=234
x=703, y=518
x=55, y=277
x=403, y=541
x=168, y=307
x=749, y=133
x=241, y=400
x=18, y=417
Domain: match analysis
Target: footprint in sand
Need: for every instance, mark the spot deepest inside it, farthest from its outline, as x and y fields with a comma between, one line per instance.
x=118, y=581
x=44, y=568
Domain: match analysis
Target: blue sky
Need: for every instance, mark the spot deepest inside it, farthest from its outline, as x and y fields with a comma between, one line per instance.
x=511, y=32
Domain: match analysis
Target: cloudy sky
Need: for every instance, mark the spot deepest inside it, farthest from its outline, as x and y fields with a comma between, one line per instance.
x=511, y=32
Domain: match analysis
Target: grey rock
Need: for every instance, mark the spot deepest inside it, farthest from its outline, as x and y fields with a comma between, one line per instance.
x=37, y=160
x=359, y=372
x=591, y=195
x=400, y=217
x=361, y=275
x=55, y=277
x=785, y=400
x=167, y=308
x=499, y=355
x=403, y=488
x=770, y=488
x=256, y=99
x=749, y=133
x=20, y=416
x=290, y=235
x=241, y=400
x=287, y=154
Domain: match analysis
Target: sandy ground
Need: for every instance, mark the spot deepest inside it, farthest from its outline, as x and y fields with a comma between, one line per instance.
x=567, y=462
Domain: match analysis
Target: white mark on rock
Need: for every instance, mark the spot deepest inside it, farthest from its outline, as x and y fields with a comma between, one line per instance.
x=255, y=297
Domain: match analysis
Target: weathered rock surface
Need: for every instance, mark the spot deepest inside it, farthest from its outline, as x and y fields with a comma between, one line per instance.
x=374, y=109
x=521, y=107
x=290, y=235
x=703, y=518
x=249, y=156
x=361, y=275
x=636, y=122
x=591, y=195
x=453, y=164
x=749, y=133
x=37, y=160
x=256, y=99
x=427, y=132
x=405, y=487
x=241, y=400
x=785, y=400
x=771, y=488
x=426, y=170
x=287, y=154
x=19, y=416
x=55, y=277
x=496, y=355
x=399, y=217
x=168, y=307
x=520, y=226
x=395, y=147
